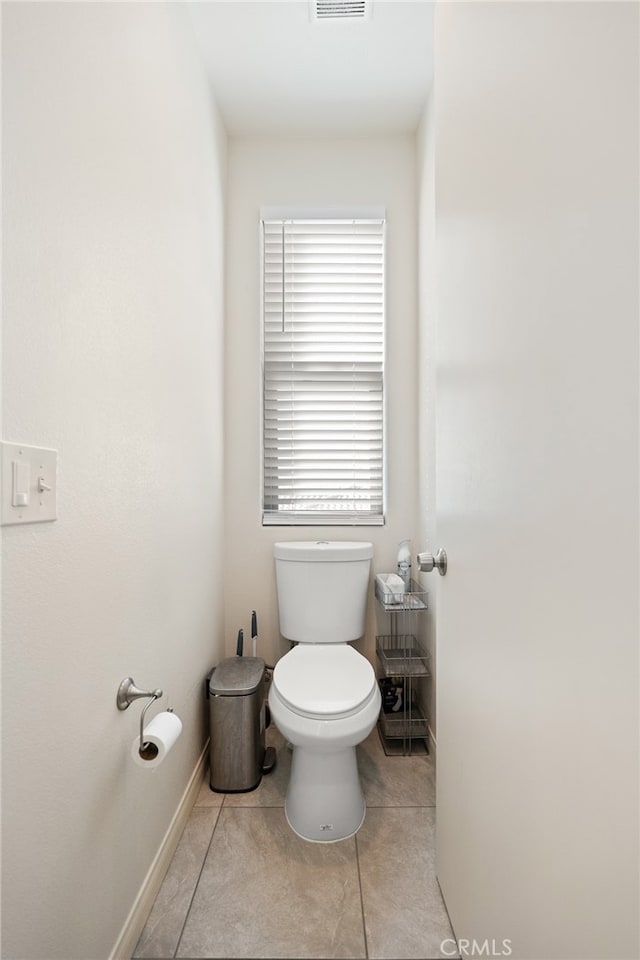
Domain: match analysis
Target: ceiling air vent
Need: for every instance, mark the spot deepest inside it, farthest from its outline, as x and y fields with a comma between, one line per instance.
x=341, y=9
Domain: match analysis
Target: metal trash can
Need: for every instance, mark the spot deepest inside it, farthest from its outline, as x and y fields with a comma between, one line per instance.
x=236, y=695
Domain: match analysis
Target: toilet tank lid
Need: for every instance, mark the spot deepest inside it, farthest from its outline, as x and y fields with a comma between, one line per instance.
x=319, y=551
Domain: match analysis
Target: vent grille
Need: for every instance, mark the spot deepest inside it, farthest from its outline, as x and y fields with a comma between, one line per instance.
x=340, y=9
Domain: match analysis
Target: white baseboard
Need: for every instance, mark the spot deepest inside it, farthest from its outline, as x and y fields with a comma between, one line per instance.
x=134, y=924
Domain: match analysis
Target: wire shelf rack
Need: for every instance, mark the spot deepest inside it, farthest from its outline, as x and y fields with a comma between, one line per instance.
x=402, y=656
x=413, y=599
x=404, y=664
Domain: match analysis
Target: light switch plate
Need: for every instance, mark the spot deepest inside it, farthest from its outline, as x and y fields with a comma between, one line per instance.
x=40, y=466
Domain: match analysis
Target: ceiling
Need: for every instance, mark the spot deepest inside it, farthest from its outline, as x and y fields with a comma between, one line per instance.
x=274, y=69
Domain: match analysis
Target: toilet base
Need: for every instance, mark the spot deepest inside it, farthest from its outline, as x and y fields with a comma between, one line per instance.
x=324, y=801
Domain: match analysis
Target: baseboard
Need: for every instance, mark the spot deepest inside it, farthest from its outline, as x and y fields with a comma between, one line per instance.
x=134, y=924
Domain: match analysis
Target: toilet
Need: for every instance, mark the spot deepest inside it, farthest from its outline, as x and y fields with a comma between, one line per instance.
x=324, y=697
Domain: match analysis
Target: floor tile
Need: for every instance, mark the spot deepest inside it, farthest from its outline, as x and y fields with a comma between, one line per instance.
x=395, y=781
x=404, y=911
x=161, y=934
x=273, y=786
x=265, y=893
x=207, y=797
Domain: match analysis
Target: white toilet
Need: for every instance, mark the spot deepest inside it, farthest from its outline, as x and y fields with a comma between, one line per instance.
x=324, y=696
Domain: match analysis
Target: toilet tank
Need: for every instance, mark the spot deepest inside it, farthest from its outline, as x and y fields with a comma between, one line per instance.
x=322, y=589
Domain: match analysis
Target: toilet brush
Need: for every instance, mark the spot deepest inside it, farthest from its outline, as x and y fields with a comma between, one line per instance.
x=254, y=633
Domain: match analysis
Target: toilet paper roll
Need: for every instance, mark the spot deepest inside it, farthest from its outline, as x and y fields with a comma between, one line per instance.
x=158, y=737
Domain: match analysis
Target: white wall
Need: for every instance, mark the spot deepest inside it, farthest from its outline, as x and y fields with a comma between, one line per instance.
x=330, y=172
x=537, y=206
x=425, y=537
x=113, y=177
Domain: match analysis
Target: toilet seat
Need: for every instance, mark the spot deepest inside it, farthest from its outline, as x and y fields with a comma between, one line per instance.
x=324, y=681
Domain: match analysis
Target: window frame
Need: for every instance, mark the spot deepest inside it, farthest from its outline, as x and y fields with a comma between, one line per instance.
x=331, y=518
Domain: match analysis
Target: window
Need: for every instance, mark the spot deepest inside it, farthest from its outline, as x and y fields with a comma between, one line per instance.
x=323, y=350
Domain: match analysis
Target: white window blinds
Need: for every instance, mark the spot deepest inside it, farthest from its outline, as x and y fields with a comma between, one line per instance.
x=323, y=349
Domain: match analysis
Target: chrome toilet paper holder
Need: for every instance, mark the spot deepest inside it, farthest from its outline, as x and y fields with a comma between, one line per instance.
x=127, y=693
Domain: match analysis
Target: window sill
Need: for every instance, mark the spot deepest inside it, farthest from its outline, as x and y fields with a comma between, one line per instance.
x=321, y=521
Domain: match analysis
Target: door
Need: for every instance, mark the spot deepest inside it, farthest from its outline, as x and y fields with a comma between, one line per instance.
x=536, y=193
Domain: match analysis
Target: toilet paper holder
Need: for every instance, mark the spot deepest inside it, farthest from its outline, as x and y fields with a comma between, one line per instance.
x=127, y=693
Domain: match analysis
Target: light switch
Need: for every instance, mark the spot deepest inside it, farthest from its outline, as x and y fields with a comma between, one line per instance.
x=28, y=483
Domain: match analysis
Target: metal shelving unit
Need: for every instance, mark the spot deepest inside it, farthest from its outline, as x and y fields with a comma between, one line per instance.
x=403, y=727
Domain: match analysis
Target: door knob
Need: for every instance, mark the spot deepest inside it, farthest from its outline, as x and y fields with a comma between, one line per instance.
x=427, y=561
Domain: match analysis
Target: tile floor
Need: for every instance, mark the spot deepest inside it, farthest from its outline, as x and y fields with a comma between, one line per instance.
x=242, y=885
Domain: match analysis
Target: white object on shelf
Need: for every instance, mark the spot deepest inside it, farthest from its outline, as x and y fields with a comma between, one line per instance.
x=390, y=587
x=404, y=563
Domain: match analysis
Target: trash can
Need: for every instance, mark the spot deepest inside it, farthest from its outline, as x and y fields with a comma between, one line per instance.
x=237, y=723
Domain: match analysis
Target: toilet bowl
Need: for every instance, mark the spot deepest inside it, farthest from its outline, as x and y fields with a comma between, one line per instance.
x=324, y=697
x=325, y=701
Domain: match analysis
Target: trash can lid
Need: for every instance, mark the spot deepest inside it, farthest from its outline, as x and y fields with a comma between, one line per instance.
x=237, y=676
